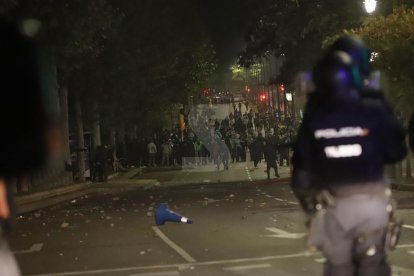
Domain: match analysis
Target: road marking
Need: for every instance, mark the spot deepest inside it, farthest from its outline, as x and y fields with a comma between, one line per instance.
x=405, y=245
x=279, y=233
x=279, y=199
x=246, y=267
x=398, y=270
x=174, y=246
x=34, y=248
x=410, y=252
x=162, y=273
x=248, y=174
x=231, y=261
x=320, y=260
x=292, y=202
x=408, y=226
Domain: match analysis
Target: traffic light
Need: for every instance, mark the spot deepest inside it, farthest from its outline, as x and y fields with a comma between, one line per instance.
x=263, y=97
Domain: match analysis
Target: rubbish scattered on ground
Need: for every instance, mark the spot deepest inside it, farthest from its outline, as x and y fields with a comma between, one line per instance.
x=64, y=225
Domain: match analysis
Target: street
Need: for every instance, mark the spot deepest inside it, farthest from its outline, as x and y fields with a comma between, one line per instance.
x=243, y=225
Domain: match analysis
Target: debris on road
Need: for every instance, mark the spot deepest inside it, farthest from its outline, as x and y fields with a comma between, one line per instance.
x=64, y=225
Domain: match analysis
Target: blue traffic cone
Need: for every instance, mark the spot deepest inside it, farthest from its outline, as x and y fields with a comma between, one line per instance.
x=163, y=214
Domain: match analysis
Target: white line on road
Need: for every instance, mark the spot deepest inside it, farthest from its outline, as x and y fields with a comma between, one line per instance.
x=279, y=199
x=398, y=270
x=279, y=233
x=405, y=245
x=162, y=273
x=408, y=226
x=174, y=246
x=233, y=261
x=292, y=202
x=246, y=267
x=34, y=248
x=320, y=260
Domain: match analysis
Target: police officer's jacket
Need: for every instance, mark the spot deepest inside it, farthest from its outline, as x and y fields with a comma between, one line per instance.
x=341, y=143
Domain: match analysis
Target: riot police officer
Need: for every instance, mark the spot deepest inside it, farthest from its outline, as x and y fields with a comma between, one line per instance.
x=338, y=177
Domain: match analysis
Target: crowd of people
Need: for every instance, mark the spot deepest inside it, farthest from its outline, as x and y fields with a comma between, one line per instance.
x=209, y=140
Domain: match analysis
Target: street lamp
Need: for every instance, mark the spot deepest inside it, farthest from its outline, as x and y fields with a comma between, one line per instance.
x=370, y=5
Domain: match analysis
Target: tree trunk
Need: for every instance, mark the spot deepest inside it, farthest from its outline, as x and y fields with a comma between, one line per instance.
x=120, y=133
x=120, y=141
x=393, y=171
x=399, y=170
x=96, y=129
x=97, y=140
x=80, y=138
x=64, y=113
x=112, y=136
x=408, y=166
x=112, y=143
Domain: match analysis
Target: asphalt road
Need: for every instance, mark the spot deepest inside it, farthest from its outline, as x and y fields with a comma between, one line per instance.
x=246, y=227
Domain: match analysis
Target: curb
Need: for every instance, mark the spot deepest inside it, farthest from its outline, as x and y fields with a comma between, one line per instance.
x=39, y=200
x=403, y=187
x=35, y=201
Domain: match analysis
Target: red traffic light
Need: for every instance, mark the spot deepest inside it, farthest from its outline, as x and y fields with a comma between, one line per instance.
x=282, y=88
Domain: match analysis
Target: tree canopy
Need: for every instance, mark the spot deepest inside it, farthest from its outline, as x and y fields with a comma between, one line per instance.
x=295, y=29
x=392, y=38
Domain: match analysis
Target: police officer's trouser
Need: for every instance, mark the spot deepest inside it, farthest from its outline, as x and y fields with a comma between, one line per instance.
x=351, y=235
x=8, y=265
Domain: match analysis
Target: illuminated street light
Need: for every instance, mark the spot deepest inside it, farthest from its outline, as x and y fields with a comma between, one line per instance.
x=370, y=5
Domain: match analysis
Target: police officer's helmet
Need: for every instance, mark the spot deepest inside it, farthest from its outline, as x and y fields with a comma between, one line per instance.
x=355, y=47
x=336, y=77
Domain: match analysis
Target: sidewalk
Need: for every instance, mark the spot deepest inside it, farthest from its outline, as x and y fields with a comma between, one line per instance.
x=404, y=185
x=38, y=200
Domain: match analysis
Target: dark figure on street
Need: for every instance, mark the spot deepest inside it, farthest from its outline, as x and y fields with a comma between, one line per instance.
x=101, y=163
x=256, y=151
x=338, y=170
x=270, y=155
x=152, y=154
